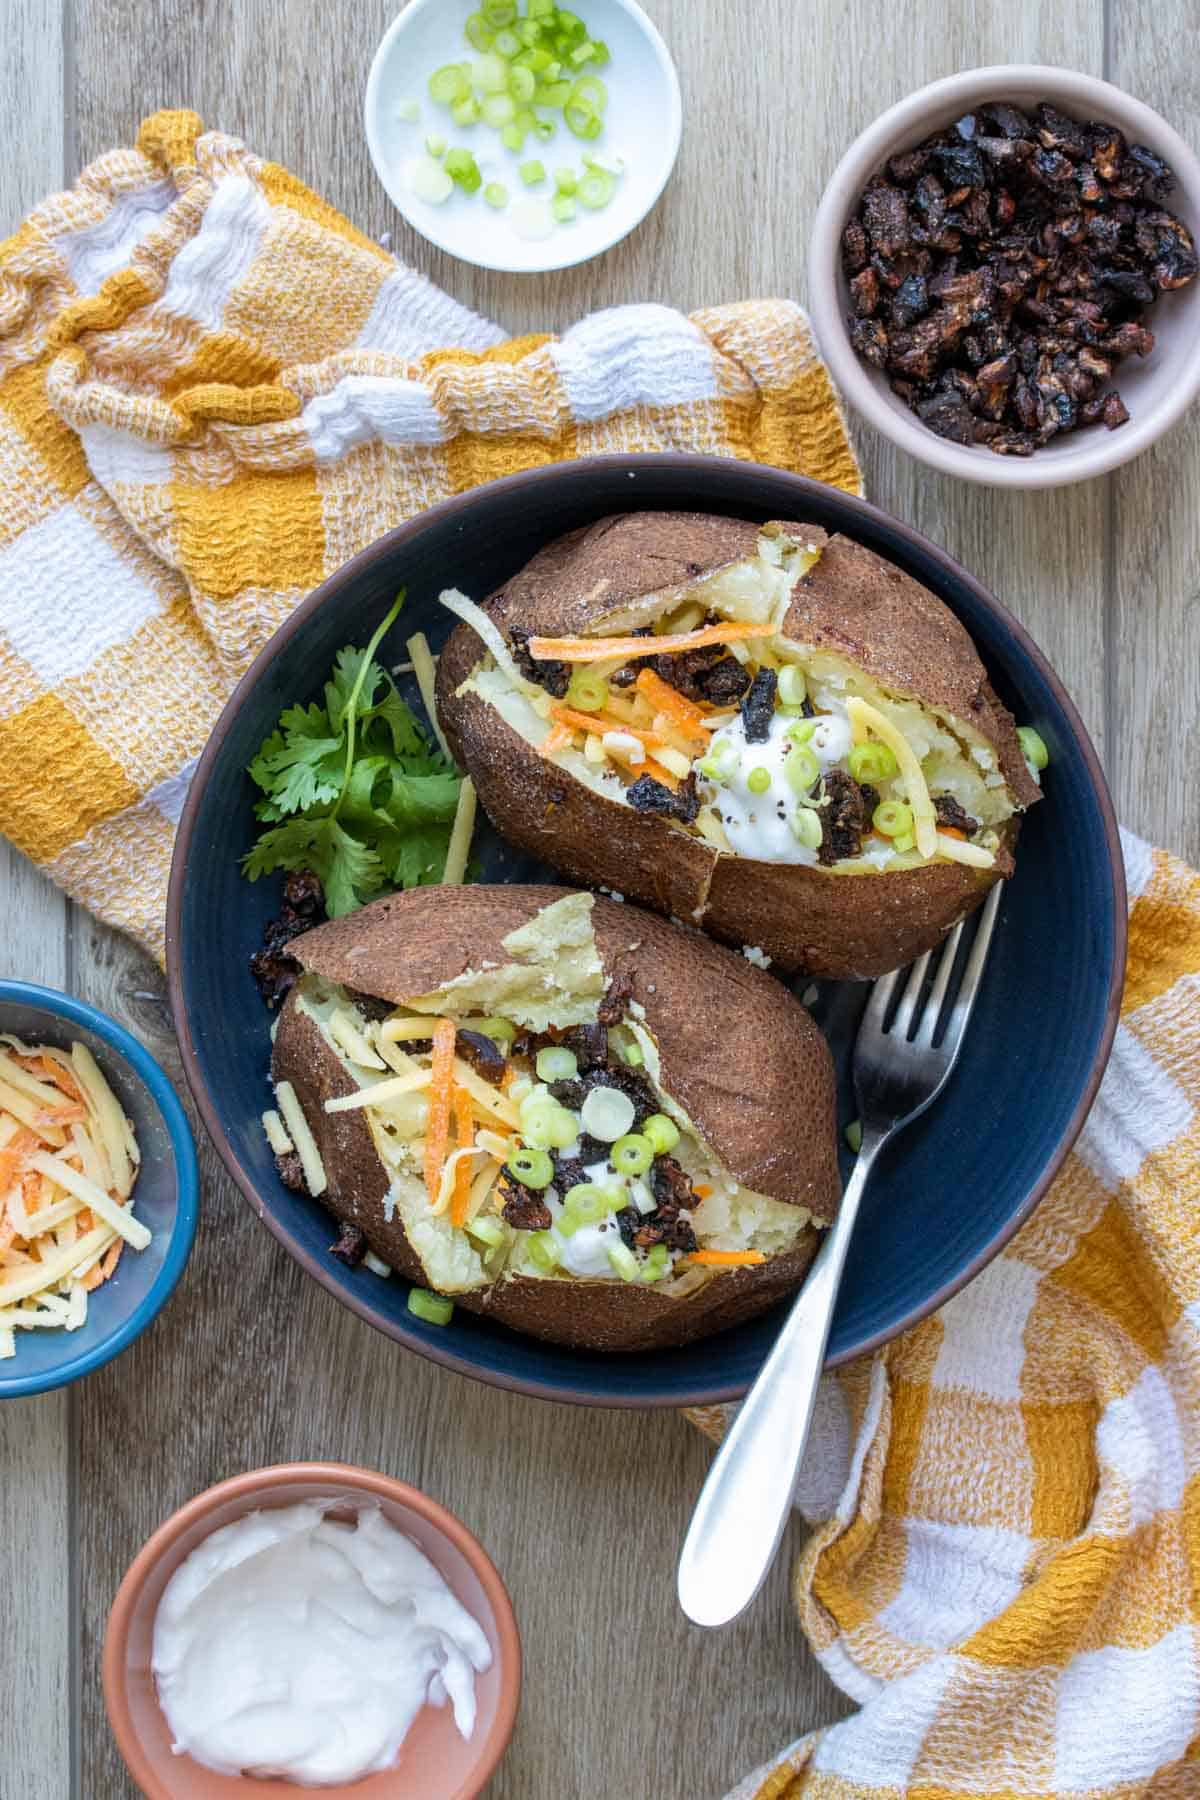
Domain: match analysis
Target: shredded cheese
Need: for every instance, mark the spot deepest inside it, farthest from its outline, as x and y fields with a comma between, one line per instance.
x=347, y=1036
x=493, y=638
x=378, y=1094
x=959, y=851
x=866, y=720
x=425, y=670
x=459, y=849
x=277, y=1136
x=315, y=1178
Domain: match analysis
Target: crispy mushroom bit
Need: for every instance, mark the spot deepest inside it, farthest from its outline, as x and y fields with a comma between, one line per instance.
x=758, y=706
x=275, y=972
x=523, y=1209
x=709, y=674
x=291, y=1171
x=617, y=996
x=351, y=1247
x=998, y=273
x=555, y=677
x=482, y=1053
x=648, y=795
x=953, y=817
x=843, y=814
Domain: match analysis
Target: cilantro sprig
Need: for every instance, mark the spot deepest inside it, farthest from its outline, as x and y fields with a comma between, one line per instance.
x=354, y=790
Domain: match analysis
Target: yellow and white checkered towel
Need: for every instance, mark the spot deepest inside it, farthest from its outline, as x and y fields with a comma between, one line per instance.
x=212, y=392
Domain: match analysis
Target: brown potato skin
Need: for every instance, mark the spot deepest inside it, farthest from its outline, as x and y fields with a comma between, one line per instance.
x=808, y=922
x=593, y=1315
x=737, y=1051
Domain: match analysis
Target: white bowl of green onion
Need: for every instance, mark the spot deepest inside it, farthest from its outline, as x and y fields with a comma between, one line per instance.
x=519, y=134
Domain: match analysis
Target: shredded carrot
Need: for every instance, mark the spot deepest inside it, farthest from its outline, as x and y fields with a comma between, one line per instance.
x=728, y=1259
x=599, y=722
x=559, y=739
x=13, y=1155
x=585, y=650
x=111, y=1258
x=701, y=1192
x=441, y=1095
x=952, y=831
x=508, y=1077
x=650, y=767
x=46, y=1065
x=685, y=717
x=31, y=1188
x=464, y=1133
x=91, y=1281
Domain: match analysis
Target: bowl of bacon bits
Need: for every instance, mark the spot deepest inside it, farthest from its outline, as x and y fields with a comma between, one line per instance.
x=1004, y=276
x=98, y=1189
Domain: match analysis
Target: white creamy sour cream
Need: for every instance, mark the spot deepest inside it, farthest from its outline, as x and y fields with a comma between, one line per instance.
x=290, y=1644
x=759, y=825
x=585, y=1252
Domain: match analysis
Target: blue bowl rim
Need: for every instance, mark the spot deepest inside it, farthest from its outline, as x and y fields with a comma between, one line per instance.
x=187, y=1174
x=384, y=547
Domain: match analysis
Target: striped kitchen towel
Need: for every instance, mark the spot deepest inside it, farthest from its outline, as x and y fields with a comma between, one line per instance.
x=212, y=392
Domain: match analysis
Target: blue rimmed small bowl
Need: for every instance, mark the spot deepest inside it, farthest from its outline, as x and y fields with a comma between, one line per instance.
x=166, y=1198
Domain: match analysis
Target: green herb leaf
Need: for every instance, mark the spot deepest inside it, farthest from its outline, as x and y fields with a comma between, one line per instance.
x=354, y=790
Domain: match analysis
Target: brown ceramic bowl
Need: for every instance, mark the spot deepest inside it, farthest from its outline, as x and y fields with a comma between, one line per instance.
x=1157, y=390
x=435, y=1763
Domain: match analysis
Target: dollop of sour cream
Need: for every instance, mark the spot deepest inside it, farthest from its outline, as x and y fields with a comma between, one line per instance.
x=585, y=1252
x=291, y=1644
x=760, y=825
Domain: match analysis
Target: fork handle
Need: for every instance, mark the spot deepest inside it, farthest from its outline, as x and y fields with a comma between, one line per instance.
x=745, y=1502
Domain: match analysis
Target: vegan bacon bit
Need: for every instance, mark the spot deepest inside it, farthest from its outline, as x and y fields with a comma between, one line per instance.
x=758, y=706
x=953, y=817
x=648, y=795
x=999, y=272
x=274, y=971
x=351, y=1246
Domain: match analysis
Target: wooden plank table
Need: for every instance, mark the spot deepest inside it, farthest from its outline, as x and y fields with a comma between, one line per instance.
x=251, y=1363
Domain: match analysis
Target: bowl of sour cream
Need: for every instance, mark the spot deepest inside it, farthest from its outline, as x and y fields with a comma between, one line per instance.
x=313, y=1625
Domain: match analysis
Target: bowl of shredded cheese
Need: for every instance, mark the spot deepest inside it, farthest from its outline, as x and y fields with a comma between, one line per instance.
x=98, y=1189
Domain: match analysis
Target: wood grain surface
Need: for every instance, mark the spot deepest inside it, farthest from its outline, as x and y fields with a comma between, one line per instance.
x=251, y=1363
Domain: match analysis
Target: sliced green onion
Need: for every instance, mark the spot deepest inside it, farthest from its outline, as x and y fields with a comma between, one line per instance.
x=462, y=168
x=720, y=762
x=487, y=1229
x=448, y=85
x=490, y=74
x=563, y=208
x=601, y=54
x=806, y=827
x=904, y=843
x=496, y=195
x=548, y=1126
x=607, y=1114
x=522, y=85
x=501, y=1031
x=800, y=730
x=801, y=769
x=542, y=9
x=1033, y=746
x=465, y=112
x=566, y=181
x=498, y=110
x=544, y=129
x=408, y=111
x=584, y=121
x=513, y=137
x=532, y=172
x=429, y=180
x=873, y=763
x=589, y=90
x=478, y=33
x=632, y=1054
x=758, y=780
x=624, y=1262
x=435, y=145
x=657, y=1263
x=581, y=54
x=552, y=93
x=662, y=1132
x=498, y=13
x=570, y=25
x=530, y=33
x=586, y=691
x=631, y=1155
x=792, y=687
x=854, y=1135
x=585, y=1204
x=892, y=818
x=596, y=189
x=507, y=44
x=435, y=1309
x=544, y=1252
x=556, y=1063
x=532, y=1168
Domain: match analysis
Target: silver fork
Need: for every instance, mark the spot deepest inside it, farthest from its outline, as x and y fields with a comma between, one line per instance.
x=901, y=1065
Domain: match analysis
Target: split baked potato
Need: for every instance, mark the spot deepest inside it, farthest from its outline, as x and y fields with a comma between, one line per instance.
x=559, y=1111
x=761, y=730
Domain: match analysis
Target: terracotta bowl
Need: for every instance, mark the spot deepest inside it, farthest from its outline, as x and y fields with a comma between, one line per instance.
x=1156, y=390
x=435, y=1763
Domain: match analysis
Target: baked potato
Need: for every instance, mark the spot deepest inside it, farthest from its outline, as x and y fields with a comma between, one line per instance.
x=761, y=730
x=562, y=1112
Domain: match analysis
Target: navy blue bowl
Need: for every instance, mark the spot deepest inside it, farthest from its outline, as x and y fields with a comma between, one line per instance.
x=952, y=1189
x=166, y=1198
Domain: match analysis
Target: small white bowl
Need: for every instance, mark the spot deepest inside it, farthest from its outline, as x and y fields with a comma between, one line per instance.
x=643, y=125
x=1157, y=390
